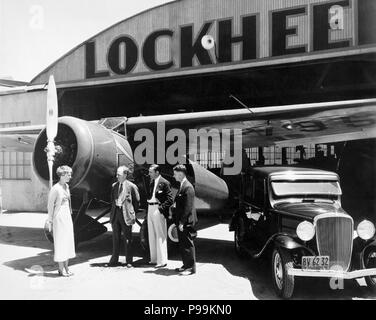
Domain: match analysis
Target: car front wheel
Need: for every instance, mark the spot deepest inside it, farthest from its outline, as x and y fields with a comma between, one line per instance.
x=370, y=263
x=283, y=282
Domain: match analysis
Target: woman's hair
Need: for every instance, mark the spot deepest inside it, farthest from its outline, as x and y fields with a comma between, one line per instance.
x=63, y=170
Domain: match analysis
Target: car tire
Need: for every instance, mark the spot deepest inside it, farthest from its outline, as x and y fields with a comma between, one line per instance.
x=284, y=283
x=370, y=262
x=237, y=242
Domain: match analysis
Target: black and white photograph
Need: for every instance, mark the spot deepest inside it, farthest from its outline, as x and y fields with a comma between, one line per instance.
x=187, y=151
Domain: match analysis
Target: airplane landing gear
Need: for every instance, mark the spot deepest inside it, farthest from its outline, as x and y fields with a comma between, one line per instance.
x=86, y=227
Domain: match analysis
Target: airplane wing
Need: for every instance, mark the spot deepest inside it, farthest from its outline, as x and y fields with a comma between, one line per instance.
x=283, y=126
x=20, y=139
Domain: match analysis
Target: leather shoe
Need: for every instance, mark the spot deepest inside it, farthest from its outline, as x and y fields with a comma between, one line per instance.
x=129, y=266
x=181, y=269
x=188, y=272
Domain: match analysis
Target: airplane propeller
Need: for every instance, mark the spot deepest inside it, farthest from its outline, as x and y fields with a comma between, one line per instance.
x=52, y=125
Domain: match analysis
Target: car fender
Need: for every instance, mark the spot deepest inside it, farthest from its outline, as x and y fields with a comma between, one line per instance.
x=287, y=242
x=359, y=256
x=370, y=244
x=283, y=241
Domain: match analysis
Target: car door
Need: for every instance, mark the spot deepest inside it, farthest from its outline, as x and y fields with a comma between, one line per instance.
x=258, y=209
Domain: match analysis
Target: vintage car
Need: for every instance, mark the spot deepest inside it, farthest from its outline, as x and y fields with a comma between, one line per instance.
x=294, y=217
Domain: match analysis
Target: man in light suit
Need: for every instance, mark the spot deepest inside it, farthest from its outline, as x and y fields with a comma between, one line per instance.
x=185, y=218
x=125, y=200
x=160, y=201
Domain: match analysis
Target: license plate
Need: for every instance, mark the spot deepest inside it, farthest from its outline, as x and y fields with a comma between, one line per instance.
x=315, y=263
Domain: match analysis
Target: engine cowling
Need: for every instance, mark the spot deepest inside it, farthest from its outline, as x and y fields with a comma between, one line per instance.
x=92, y=151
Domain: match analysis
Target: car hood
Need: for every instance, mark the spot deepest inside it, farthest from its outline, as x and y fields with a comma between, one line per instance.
x=309, y=210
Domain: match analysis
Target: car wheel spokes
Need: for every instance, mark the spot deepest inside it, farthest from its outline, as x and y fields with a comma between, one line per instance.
x=278, y=271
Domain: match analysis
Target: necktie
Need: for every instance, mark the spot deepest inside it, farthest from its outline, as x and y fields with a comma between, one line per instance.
x=181, y=186
x=120, y=189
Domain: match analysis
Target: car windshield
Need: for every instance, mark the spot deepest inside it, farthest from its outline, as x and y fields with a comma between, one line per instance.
x=306, y=188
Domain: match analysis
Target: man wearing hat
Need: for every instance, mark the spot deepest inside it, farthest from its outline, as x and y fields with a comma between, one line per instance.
x=185, y=218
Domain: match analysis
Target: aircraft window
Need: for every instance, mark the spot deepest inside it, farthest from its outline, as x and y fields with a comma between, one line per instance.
x=115, y=124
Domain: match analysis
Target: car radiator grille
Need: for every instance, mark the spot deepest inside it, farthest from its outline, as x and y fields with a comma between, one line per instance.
x=335, y=239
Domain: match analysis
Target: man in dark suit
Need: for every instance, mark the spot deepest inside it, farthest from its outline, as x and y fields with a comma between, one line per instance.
x=160, y=201
x=125, y=201
x=185, y=218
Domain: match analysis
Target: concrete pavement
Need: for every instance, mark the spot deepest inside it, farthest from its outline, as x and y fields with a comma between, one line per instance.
x=27, y=270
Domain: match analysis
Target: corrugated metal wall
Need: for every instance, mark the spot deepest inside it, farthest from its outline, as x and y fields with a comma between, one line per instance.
x=196, y=12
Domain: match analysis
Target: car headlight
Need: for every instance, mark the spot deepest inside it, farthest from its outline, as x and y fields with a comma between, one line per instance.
x=366, y=230
x=305, y=231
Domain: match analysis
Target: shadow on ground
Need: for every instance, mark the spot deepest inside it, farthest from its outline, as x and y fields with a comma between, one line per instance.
x=209, y=251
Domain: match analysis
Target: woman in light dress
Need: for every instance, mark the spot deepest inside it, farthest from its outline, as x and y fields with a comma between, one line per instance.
x=60, y=221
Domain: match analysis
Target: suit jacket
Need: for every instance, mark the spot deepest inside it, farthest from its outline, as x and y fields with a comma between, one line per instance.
x=185, y=211
x=131, y=202
x=163, y=194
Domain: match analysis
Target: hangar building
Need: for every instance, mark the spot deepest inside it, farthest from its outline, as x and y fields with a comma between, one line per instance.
x=268, y=52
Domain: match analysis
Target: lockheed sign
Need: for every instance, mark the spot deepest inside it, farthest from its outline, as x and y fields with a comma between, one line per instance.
x=125, y=52
x=167, y=40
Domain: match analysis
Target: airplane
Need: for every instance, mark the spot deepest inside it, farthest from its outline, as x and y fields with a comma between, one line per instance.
x=95, y=149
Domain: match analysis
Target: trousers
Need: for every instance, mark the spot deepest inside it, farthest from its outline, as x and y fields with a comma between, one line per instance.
x=118, y=227
x=157, y=231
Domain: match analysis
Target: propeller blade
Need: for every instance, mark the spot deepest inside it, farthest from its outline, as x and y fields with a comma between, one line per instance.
x=52, y=125
x=52, y=110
